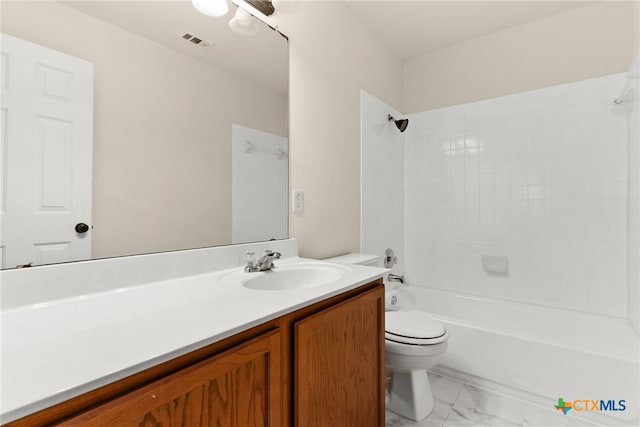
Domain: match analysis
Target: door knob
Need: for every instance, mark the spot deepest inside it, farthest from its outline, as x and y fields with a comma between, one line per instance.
x=81, y=228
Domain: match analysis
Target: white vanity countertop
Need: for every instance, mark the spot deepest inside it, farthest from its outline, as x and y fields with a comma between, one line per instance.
x=56, y=350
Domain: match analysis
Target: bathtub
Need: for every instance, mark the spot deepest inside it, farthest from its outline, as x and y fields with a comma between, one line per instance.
x=534, y=352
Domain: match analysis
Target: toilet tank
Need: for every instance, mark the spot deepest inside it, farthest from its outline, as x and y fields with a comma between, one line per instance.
x=358, y=259
x=373, y=261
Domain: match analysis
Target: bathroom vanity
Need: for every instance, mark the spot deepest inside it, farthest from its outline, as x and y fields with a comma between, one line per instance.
x=316, y=360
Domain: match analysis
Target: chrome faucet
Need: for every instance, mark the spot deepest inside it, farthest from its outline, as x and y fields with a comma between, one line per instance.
x=265, y=263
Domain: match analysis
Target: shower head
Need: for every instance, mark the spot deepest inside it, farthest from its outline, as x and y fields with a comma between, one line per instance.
x=401, y=124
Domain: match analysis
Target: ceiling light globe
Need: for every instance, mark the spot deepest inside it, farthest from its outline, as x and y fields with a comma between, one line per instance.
x=243, y=23
x=211, y=7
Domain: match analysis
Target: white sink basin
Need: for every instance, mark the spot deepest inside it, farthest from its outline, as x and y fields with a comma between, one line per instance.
x=289, y=277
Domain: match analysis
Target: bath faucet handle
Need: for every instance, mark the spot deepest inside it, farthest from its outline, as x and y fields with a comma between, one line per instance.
x=275, y=255
x=250, y=259
x=390, y=258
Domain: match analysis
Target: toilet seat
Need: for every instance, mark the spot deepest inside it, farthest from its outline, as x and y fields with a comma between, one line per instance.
x=413, y=328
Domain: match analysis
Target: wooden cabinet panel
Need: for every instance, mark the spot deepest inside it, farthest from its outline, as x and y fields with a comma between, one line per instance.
x=339, y=364
x=236, y=388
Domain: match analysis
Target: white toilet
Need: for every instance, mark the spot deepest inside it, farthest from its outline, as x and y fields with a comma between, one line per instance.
x=414, y=342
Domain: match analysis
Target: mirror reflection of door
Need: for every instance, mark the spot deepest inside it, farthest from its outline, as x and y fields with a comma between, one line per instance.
x=260, y=168
x=46, y=155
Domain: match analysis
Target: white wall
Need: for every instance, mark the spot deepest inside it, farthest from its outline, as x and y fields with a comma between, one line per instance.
x=582, y=43
x=260, y=167
x=332, y=57
x=539, y=177
x=382, y=148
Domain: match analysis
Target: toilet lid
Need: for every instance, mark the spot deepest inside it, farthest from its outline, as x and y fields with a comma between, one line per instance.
x=413, y=327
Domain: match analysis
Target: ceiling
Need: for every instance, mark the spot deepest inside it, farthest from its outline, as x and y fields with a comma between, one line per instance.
x=412, y=28
x=407, y=28
x=263, y=58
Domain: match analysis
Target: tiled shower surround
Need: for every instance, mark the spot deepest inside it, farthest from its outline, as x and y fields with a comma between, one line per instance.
x=541, y=177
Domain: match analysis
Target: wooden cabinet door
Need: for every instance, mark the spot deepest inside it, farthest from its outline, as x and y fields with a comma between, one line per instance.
x=236, y=388
x=339, y=364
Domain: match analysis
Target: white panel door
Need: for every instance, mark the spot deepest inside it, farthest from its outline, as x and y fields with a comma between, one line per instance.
x=45, y=154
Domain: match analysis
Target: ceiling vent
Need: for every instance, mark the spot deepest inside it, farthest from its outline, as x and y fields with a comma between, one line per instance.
x=195, y=40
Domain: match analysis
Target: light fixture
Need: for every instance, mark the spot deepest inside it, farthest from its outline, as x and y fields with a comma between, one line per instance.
x=243, y=23
x=211, y=7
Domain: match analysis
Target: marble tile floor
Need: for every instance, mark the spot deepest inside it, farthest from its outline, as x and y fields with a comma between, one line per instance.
x=461, y=404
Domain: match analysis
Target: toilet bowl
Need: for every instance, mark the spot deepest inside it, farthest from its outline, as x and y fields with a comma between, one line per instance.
x=413, y=343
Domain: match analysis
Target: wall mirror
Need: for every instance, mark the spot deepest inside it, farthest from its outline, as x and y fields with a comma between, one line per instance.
x=133, y=127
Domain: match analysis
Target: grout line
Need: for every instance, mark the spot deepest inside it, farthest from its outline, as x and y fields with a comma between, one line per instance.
x=463, y=385
x=451, y=381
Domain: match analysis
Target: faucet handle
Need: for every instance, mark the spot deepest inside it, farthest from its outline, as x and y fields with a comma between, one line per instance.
x=390, y=258
x=273, y=254
x=249, y=258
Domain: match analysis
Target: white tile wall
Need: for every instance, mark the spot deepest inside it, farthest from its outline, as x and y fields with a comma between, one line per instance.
x=540, y=177
x=382, y=148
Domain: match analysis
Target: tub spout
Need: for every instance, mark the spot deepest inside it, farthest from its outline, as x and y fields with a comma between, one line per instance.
x=396, y=278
